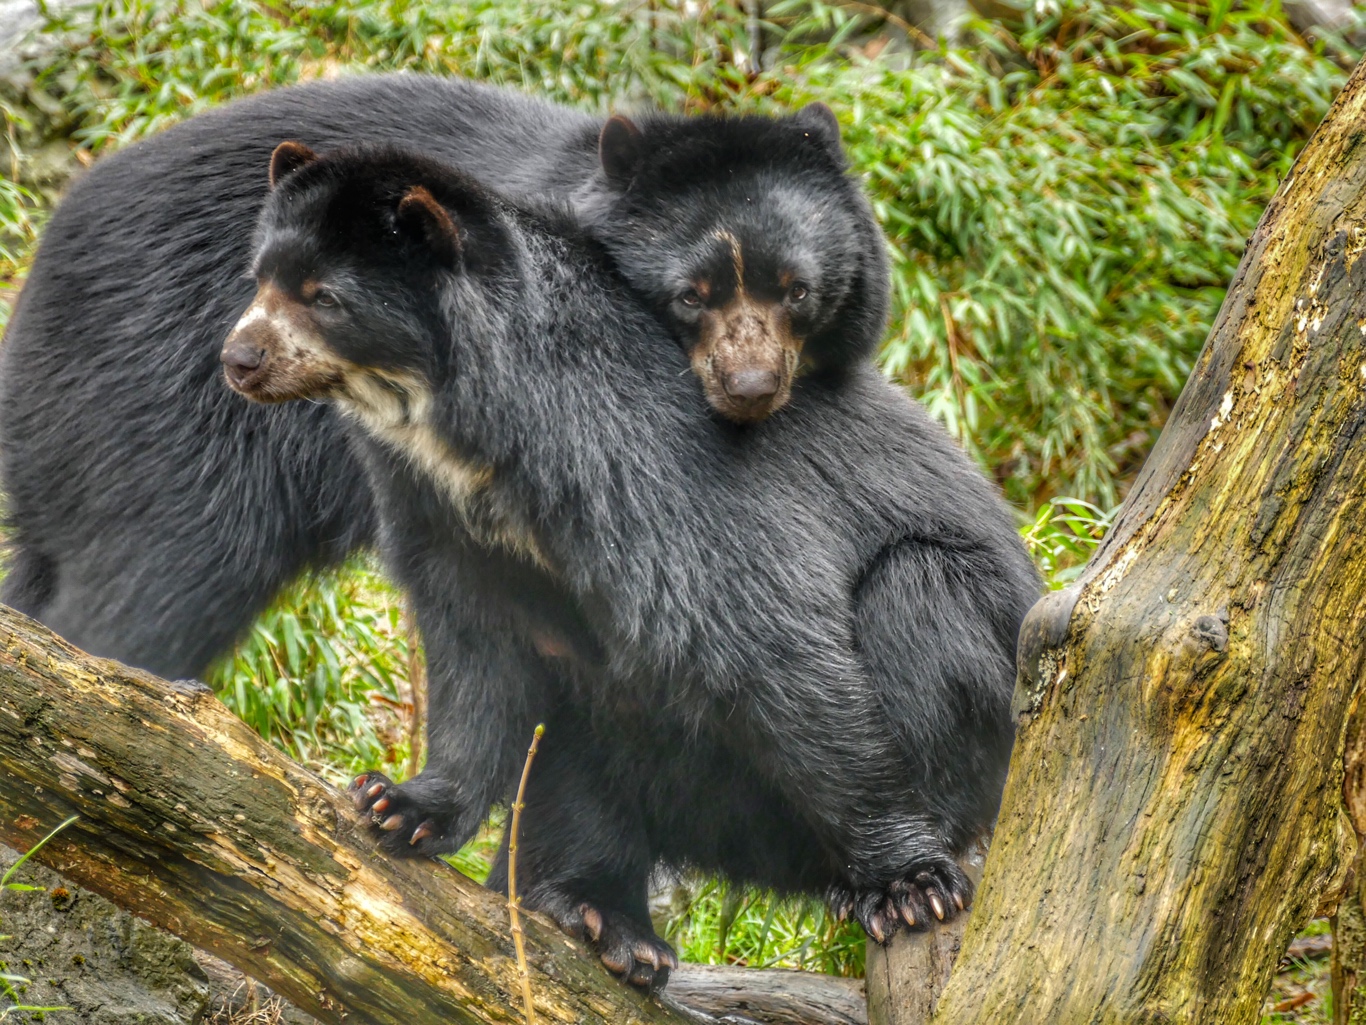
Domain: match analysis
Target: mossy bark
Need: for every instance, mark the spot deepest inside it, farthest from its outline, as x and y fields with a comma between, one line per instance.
x=1349, y=920
x=1349, y=958
x=189, y=820
x=1175, y=808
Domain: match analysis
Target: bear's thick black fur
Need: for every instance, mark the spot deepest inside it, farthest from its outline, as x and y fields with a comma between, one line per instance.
x=151, y=514
x=783, y=653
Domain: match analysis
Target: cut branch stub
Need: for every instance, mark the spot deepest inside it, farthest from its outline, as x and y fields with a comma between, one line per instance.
x=1174, y=807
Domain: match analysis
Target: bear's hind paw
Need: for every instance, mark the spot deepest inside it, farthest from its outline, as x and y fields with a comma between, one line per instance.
x=927, y=894
x=627, y=948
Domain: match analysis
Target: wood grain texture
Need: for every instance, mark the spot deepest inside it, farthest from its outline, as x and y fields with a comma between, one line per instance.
x=906, y=978
x=1174, y=810
x=191, y=821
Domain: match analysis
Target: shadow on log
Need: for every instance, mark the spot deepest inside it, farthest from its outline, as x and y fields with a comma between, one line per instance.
x=191, y=821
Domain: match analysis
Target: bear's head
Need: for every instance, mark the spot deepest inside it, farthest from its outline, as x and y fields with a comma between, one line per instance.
x=352, y=252
x=750, y=239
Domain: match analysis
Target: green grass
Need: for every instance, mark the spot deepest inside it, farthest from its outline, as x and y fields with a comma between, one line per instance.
x=711, y=922
x=324, y=674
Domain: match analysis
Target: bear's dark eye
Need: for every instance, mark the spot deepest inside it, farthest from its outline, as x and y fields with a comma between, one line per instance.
x=797, y=292
x=326, y=299
x=690, y=298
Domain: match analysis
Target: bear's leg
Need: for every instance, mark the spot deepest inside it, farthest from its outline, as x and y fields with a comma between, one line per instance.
x=935, y=627
x=29, y=581
x=584, y=859
x=487, y=689
x=709, y=808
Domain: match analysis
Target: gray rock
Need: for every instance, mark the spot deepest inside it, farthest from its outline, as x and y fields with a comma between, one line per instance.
x=18, y=19
x=81, y=952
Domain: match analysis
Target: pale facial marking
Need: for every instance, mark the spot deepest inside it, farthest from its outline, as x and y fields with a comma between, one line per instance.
x=737, y=256
x=297, y=362
x=395, y=408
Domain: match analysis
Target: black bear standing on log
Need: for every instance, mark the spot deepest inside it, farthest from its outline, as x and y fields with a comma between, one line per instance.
x=153, y=515
x=784, y=654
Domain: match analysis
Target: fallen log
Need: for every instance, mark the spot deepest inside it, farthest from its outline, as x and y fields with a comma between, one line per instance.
x=773, y=996
x=191, y=821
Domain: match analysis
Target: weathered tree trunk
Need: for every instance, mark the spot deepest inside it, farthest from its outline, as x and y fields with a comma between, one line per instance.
x=1349, y=920
x=906, y=978
x=1174, y=809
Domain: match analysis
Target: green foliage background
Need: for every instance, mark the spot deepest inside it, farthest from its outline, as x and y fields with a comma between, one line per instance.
x=1066, y=195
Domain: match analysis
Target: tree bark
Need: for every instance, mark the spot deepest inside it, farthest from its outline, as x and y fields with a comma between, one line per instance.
x=906, y=978
x=1174, y=808
x=191, y=821
x=1349, y=919
x=771, y=996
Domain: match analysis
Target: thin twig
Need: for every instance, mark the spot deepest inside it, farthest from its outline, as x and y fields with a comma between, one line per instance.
x=516, y=919
x=417, y=685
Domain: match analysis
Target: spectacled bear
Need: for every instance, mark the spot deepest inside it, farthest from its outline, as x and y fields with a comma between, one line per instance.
x=784, y=654
x=152, y=516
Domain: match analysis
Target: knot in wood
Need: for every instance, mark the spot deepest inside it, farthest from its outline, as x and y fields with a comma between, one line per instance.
x=1212, y=632
x=1037, y=657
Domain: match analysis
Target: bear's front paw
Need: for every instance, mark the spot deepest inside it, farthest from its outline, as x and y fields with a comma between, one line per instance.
x=934, y=891
x=628, y=948
x=404, y=825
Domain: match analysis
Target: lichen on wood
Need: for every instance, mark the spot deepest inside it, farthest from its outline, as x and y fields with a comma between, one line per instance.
x=191, y=821
x=1174, y=808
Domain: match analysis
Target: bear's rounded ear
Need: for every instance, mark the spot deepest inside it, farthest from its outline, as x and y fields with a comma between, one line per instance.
x=621, y=150
x=289, y=156
x=821, y=127
x=422, y=217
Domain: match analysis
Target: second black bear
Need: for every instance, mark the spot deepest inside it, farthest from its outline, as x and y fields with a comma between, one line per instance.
x=152, y=516
x=785, y=655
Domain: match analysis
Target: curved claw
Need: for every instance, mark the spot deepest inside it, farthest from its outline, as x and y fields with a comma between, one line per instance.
x=936, y=905
x=592, y=921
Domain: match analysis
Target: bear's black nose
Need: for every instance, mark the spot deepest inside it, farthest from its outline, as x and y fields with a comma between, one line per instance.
x=242, y=357
x=239, y=361
x=751, y=384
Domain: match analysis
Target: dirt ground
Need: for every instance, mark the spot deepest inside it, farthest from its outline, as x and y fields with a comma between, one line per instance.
x=1302, y=992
